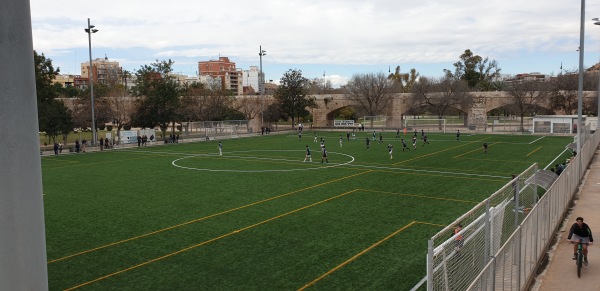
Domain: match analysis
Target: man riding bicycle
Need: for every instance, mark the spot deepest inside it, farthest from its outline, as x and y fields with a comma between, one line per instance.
x=580, y=232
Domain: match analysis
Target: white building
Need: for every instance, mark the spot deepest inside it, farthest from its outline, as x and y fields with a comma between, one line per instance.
x=251, y=78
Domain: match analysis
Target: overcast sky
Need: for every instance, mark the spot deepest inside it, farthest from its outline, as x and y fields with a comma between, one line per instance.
x=335, y=38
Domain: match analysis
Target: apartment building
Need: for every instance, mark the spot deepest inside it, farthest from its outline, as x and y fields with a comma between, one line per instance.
x=251, y=78
x=225, y=70
x=104, y=71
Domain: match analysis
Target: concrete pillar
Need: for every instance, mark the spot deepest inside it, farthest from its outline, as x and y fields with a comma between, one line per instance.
x=22, y=235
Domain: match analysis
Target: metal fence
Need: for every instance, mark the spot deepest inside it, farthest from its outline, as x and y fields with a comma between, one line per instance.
x=504, y=237
x=509, y=124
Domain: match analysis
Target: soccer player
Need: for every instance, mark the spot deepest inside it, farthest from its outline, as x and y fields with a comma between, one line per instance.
x=341, y=139
x=220, y=147
x=374, y=134
x=324, y=157
x=390, y=150
x=414, y=140
x=397, y=132
x=307, y=154
x=380, y=138
x=425, y=139
x=368, y=142
x=404, y=146
x=485, y=146
x=458, y=135
x=315, y=139
x=322, y=143
x=422, y=134
x=300, y=134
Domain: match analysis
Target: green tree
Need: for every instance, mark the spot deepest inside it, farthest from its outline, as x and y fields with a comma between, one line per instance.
x=292, y=95
x=159, y=92
x=404, y=81
x=53, y=116
x=475, y=70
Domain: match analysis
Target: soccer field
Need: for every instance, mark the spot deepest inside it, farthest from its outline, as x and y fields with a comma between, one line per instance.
x=182, y=217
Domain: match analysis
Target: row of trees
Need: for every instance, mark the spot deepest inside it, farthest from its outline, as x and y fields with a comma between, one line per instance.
x=158, y=99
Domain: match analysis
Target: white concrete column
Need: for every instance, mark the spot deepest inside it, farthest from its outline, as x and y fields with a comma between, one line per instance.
x=22, y=235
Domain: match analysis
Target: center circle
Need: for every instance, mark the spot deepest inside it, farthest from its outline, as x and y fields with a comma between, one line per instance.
x=229, y=155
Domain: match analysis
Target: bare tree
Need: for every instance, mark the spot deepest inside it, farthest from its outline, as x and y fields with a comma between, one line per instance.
x=564, y=92
x=121, y=106
x=250, y=106
x=527, y=97
x=372, y=92
x=439, y=95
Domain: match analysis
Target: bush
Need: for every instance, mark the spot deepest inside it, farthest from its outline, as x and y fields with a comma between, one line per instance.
x=127, y=127
x=109, y=127
x=101, y=126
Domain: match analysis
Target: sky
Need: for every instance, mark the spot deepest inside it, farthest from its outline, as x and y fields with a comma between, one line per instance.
x=325, y=39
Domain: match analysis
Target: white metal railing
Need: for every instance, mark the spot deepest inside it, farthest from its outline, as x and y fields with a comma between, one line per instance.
x=494, y=259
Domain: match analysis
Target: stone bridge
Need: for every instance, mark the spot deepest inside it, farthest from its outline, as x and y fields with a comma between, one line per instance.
x=329, y=104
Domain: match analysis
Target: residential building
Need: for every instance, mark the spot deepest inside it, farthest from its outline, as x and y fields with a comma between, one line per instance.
x=251, y=78
x=224, y=69
x=104, y=71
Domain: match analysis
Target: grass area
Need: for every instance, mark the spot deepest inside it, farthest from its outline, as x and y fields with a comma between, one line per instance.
x=181, y=217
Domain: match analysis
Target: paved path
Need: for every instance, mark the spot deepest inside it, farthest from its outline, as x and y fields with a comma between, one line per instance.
x=560, y=274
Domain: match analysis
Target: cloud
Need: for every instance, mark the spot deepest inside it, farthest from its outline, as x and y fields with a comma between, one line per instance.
x=347, y=34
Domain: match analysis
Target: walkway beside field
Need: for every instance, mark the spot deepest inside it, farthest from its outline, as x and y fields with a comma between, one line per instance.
x=560, y=274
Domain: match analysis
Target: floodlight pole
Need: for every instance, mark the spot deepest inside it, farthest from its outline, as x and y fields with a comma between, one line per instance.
x=580, y=85
x=261, y=86
x=90, y=29
x=597, y=22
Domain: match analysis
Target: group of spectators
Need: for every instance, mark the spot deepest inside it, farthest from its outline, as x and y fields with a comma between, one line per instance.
x=142, y=140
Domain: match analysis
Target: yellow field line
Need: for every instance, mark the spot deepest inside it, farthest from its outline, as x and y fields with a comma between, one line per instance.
x=210, y=240
x=470, y=151
x=440, y=174
x=497, y=161
x=529, y=154
x=202, y=218
x=437, y=152
x=365, y=251
x=421, y=196
x=356, y=256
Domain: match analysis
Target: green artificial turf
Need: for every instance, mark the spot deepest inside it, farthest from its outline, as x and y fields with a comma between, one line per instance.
x=181, y=217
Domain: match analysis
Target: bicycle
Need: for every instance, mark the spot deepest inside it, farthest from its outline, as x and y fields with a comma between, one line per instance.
x=579, y=258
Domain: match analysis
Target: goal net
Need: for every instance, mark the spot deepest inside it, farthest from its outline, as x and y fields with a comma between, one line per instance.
x=426, y=124
x=221, y=132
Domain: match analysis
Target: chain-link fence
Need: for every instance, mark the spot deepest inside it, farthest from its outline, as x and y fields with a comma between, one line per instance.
x=214, y=129
x=509, y=124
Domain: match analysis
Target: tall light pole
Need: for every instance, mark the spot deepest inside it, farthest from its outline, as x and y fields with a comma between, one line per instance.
x=90, y=29
x=261, y=86
x=580, y=85
x=597, y=22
